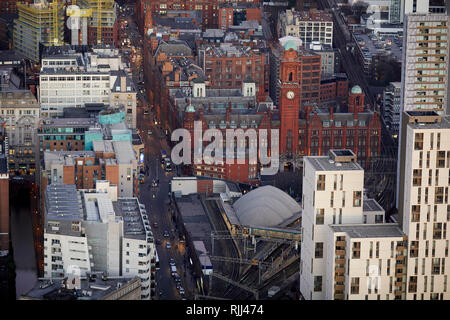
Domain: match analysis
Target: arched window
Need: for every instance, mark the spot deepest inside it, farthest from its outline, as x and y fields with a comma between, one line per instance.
x=357, y=101
x=290, y=76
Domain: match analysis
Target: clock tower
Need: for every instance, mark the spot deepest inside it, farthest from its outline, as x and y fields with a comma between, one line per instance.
x=289, y=99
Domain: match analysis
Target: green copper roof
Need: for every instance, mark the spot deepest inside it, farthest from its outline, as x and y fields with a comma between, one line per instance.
x=290, y=45
x=357, y=89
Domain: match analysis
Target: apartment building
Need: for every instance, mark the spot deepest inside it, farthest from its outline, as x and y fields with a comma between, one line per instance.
x=312, y=25
x=20, y=112
x=424, y=209
x=332, y=194
x=94, y=231
x=425, y=68
x=365, y=262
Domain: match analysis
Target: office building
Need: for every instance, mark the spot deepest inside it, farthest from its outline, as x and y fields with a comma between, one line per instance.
x=20, y=111
x=309, y=26
x=72, y=79
x=93, y=230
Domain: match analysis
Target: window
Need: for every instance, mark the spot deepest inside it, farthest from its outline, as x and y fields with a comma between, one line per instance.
x=320, y=216
x=319, y=250
x=357, y=198
x=356, y=250
x=321, y=182
x=354, y=286
x=317, y=283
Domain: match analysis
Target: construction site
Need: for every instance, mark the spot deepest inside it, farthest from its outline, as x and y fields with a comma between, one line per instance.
x=252, y=240
x=45, y=23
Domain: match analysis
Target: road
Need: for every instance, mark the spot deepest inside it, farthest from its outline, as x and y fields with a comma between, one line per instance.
x=351, y=65
x=156, y=199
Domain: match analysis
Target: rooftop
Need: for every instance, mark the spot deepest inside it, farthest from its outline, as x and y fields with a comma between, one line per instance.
x=388, y=230
x=133, y=215
x=46, y=289
x=63, y=202
x=371, y=205
x=324, y=163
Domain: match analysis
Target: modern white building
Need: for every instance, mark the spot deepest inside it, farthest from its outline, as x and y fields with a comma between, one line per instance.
x=425, y=67
x=309, y=26
x=93, y=231
x=424, y=208
x=332, y=194
x=72, y=79
x=364, y=262
x=347, y=251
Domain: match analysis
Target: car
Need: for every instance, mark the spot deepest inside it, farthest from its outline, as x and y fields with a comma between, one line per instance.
x=178, y=285
x=181, y=290
x=172, y=262
x=168, y=246
x=149, y=132
x=155, y=224
x=166, y=234
x=177, y=278
x=158, y=241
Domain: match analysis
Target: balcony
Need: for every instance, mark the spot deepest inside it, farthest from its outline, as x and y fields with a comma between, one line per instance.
x=340, y=252
x=340, y=244
x=339, y=270
x=339, y=296
x=339, y=287
x=339, y=278
x=339, y=261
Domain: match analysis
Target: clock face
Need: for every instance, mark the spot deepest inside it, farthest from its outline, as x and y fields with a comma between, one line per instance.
x=290, y=94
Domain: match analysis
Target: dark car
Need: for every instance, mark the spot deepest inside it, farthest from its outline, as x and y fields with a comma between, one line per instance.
x=158, y=241
x=166, y=234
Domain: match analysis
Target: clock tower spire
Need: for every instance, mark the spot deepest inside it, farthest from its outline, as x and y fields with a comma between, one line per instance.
x=289, y=99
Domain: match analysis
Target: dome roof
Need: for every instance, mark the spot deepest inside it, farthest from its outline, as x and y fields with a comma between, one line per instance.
x=190, y=108
x=266, y=207
x=290, y=45
x=357, y=89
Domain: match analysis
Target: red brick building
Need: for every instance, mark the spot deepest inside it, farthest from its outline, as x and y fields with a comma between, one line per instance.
x=110, y=35
x=247, y=172
x=356, y=128
x=334, y=89
x=226, y=66
x=308, y=128
x=234, y=13
x=208, y=8
x=290, y=100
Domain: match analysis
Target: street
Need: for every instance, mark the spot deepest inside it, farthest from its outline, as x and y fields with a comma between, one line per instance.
x=156, y=199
